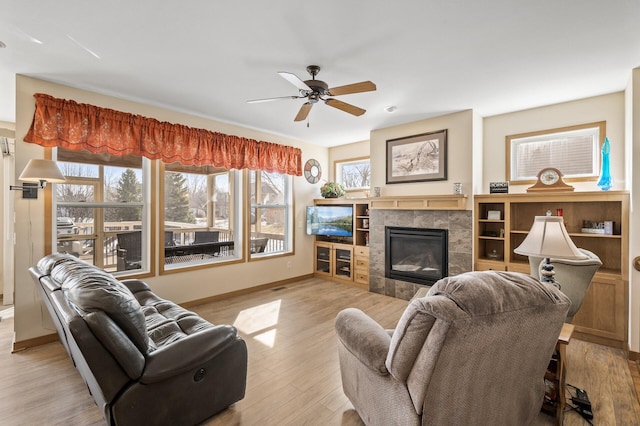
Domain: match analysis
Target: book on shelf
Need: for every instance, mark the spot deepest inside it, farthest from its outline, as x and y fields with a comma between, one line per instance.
x=593, y=231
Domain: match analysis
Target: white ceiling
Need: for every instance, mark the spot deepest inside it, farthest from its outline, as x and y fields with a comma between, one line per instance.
x=427, y=57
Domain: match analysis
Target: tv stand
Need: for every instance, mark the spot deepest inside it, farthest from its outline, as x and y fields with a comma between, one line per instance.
x=338, y=240
x=345, y=259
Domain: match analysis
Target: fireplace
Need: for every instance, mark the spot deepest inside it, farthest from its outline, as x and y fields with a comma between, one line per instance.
x=417, y=255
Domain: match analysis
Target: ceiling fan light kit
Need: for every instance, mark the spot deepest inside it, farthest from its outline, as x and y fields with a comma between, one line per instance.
x=317, y=90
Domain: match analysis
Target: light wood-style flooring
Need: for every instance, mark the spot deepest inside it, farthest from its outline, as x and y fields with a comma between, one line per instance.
x=294, y=376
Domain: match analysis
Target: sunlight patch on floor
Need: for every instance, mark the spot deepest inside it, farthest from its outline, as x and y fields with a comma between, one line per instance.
x=260, y=319
x=268, y=338
x=6, y=313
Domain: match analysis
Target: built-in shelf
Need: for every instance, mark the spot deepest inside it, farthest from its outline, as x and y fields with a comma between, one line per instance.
x=345, y=260
x=603, y=317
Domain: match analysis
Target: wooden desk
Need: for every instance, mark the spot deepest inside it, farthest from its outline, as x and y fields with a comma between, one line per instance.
x=554, y=401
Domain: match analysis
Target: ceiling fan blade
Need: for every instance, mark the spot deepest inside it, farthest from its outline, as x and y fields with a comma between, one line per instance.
x=363, y=86
x=255, y=101
x=293, y=79
x=304, y=111
x=351, y=109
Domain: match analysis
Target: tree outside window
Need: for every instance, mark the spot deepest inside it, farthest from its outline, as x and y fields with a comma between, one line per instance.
x=199, y=216
x=354, y=174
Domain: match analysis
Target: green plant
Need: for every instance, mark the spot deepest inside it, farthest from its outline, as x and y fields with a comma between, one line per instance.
x=332, y=190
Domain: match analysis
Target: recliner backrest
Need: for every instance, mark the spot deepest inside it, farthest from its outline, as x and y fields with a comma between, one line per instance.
x=474, y=338
x=89, y=289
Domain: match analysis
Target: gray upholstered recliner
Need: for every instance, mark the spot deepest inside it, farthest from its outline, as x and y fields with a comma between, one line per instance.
x=473, y=351
x=573, y=276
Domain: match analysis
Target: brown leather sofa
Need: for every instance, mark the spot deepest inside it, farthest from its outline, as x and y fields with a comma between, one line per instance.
x=144, y=359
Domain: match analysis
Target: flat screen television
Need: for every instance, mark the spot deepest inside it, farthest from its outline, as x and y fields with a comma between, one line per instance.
x=331, y=221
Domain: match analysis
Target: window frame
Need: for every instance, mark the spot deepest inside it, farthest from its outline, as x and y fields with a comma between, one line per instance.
x=147, y=205
x=338, y=165
x=512, y=141
x=235, y=209
x=289, y=217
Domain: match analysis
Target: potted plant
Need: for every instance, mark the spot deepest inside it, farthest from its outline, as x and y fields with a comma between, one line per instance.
x=332, y=190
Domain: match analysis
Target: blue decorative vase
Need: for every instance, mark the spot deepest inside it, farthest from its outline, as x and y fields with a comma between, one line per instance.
x=606, y=180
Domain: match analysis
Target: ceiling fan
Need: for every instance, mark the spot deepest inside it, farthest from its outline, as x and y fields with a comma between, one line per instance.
x=317, y=90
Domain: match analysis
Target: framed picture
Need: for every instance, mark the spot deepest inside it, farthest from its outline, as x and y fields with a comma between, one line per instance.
x=417, y=158
x=493, y=215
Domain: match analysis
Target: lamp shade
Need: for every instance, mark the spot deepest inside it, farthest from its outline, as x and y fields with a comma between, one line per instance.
x=42, y=170
x=549, y=238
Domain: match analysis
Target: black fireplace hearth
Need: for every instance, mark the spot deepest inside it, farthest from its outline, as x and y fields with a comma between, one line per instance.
x=417, y=255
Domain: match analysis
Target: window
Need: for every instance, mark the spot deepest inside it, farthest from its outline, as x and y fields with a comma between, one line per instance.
x=200, y=216
x=572, y=150
x=100, y=210
x=354, y=174
x=271, y=214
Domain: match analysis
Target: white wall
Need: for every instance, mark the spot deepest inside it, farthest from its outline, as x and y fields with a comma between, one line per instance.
x=633, y=157
x=7, y=130
x=30, y=320
x=460, y=139
x=609, y=108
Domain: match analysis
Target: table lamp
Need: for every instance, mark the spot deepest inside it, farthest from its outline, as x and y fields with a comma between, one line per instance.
x=549, y=238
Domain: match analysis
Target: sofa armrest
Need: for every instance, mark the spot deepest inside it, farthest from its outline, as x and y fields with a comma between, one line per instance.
x=364, y=338
x=188, y=353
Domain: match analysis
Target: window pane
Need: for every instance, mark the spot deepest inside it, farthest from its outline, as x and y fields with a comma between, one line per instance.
x=270, y=213
x=354, y=174
x=198, y=222
x=122, y=185
x=91, y=232
x=72, y=236
x=572, y=156
x=268, y=231
x=574, y=152
x=221, y=201
x=78, y=169
x=272, y=188
x=73, y=192
x=77, y=234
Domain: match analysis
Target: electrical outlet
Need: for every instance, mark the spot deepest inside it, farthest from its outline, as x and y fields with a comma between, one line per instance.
x=289, y=265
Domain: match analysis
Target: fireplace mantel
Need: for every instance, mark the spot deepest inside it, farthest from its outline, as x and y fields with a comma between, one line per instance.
x=419, y=202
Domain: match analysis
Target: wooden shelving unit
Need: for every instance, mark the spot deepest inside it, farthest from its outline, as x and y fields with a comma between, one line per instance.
x=345, y=260
x=603, y=317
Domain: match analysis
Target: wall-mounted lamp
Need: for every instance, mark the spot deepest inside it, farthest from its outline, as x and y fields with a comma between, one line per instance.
x=41, y=172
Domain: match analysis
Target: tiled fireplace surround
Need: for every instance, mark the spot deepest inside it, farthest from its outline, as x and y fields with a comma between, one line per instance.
x=458, y=222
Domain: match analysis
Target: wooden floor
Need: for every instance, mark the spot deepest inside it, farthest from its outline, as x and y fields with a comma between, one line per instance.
x=294, y=376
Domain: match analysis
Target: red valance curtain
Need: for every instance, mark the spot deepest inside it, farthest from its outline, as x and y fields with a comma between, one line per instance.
x=74, y=126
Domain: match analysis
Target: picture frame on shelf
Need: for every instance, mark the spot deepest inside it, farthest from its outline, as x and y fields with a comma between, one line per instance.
x=494, y=215
x=418, y=158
